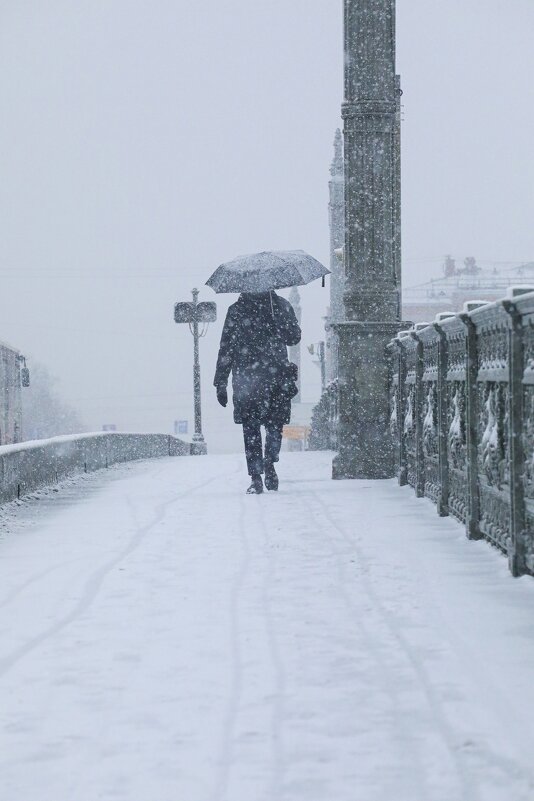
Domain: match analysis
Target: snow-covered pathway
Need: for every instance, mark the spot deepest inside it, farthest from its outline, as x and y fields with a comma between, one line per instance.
x=164, y=637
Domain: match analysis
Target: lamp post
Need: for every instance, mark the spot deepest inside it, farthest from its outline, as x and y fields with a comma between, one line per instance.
x=196, y=314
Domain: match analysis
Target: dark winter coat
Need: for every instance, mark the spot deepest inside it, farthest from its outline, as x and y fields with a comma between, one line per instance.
x=257, y=330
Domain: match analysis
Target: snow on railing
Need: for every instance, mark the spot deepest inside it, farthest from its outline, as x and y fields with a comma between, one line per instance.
x=462, y=415
x=28, y=466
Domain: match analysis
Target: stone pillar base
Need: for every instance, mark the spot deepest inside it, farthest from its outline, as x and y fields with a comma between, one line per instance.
x=199, y=448
x=366, y=446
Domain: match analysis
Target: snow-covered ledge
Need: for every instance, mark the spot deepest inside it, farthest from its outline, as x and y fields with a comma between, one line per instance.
x=28, y=466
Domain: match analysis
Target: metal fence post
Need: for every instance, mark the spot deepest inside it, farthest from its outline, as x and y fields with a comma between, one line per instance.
x=418, y=414
x=401, y=402
x=471, y=425
x=443, y=458
x=516, y=554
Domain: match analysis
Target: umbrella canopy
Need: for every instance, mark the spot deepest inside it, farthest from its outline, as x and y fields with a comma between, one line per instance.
x=261, y=272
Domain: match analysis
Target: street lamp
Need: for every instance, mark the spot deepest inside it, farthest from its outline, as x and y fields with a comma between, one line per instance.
x=196, y=314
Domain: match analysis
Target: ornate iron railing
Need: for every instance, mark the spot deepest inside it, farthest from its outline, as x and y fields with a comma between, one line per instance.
x=462, y=415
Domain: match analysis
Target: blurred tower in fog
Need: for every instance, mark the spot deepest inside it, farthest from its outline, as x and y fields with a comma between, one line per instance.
x=336, y=217
x=294, y=350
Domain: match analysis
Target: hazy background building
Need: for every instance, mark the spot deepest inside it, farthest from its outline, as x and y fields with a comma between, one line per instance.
x=460, y=282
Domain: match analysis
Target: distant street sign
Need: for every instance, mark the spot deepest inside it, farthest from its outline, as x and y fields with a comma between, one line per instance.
x=184, y=313
x=181, y=426
x=109, y=427
x=205, y=312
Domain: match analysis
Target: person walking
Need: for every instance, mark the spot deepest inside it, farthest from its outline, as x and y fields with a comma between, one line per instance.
x=257, y=330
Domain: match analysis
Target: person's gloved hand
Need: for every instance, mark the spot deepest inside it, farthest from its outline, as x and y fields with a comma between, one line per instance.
x=222, y=395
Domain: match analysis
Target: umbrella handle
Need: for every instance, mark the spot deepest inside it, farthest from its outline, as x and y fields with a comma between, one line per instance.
x=271, y=299
x=323, y=282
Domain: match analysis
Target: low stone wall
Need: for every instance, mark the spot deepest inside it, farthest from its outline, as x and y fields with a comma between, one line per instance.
x=28, y=466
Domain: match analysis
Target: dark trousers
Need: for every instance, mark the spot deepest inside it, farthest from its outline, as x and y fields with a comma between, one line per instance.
x=254, y=445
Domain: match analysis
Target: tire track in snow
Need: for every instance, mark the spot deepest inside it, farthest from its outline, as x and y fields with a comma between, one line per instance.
x=30, y=502
x=468, y=789
x=222, y=776
x=95, y=582
x=16, y=591
x=376, y=651
x=468, y=655
x=280, y=690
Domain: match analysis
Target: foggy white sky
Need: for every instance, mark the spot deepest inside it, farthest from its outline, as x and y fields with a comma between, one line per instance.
x=142, y=142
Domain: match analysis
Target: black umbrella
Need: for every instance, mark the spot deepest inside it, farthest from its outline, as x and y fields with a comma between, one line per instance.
x=261, y=272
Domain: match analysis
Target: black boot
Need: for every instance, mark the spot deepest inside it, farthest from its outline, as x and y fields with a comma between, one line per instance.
x=256, y=488
x=271, y=479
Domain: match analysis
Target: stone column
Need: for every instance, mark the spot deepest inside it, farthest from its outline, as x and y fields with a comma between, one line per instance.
x=294, y=350
x=372, y=297
x=336, y=217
